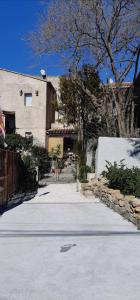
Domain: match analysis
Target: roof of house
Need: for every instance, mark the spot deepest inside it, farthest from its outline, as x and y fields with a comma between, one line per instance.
x=121, y=85
x=26, y=75
x=61, y=131
x=30, y=76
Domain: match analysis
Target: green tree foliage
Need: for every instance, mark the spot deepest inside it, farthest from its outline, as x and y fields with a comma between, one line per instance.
x=68, y=98
x=77, y=105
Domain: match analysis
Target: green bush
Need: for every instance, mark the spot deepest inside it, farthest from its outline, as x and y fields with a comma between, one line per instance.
x=28, y=162
x=83, y=173
x=16, y=142
x=27, y=174
x=122, y=178
x=40, y=156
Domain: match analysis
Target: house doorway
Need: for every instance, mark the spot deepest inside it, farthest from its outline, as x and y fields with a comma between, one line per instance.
x=9, y=122
x=68, y=145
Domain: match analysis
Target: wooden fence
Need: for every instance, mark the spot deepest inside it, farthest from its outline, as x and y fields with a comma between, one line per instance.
x=9, y=175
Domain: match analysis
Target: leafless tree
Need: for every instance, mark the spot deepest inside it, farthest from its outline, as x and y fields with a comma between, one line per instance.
x=108, y=31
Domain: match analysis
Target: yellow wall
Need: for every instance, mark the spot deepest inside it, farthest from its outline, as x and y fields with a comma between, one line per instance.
x=53, y=142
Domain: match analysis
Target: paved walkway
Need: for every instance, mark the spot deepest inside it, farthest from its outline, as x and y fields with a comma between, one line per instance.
x=66, y=176
x=61, y=246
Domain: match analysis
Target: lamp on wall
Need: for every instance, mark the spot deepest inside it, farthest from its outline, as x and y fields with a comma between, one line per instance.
x=36, y=92
x=21, y=92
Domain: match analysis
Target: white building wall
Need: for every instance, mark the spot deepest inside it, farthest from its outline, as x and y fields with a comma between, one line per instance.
x=116, y=149
x=28, y=119
x=89, y=153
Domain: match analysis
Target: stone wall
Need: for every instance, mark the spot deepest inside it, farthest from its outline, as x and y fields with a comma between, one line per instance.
x=127, y=206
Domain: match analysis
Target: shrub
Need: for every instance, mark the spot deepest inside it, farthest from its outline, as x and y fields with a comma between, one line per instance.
x=32, y=155
x=28, y=162
x=122, y=178
x=40, y=156
x=83, y=173
x=27, y=174
x=55, y=152
x=16, y=142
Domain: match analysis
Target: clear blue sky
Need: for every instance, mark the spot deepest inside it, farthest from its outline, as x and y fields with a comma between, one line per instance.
x=17, y=19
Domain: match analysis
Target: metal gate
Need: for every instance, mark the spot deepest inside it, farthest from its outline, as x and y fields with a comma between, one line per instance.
x=61, y=172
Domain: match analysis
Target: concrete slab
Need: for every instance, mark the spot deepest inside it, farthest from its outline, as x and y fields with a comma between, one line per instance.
x=61, y=246
x=60, y=193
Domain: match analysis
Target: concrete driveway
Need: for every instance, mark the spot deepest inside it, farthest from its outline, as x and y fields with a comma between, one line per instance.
x=61, y=246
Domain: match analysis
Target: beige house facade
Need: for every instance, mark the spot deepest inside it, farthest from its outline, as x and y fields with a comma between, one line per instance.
x=28, y=105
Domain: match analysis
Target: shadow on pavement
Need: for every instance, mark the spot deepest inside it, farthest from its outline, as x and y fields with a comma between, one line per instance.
x=16, y=200
x=44, y=194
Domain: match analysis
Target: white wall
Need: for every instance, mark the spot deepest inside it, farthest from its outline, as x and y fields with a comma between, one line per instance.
x=89, y=153
x=116, y=149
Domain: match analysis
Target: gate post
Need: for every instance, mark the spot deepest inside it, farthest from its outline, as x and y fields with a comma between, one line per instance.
x=77, y=175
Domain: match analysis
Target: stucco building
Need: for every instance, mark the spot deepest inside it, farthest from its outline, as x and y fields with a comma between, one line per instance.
x=60, y=133
x=28, y=105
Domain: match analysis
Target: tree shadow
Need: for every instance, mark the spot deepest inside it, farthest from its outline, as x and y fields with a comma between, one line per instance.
x=135, y=151
x=44, y=194
x=16, y=200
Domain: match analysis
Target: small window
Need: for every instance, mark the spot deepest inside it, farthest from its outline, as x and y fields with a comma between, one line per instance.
x=28, y=134
x=29, y=137
x=28, y=100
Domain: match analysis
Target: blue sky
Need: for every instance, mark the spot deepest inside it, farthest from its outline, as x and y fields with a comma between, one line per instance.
x=17, y=19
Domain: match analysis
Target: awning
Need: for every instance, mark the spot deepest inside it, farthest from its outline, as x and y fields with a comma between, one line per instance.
x=62, y=131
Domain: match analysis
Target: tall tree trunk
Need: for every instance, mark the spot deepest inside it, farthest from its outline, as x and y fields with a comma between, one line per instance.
x=132, y=126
